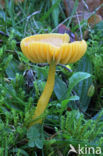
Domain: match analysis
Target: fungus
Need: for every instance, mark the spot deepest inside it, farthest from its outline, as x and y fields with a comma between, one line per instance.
x=52, y=49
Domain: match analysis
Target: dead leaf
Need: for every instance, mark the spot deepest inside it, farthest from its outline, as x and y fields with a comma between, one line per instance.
x=85, y=8
x=94, y=19
x=2, y=2
x=63, y=29
x=68, y=7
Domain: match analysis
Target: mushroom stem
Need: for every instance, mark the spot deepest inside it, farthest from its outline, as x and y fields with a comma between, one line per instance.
x=44, y=98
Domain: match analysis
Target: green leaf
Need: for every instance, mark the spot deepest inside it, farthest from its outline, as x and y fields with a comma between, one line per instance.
x=34, y=134
x=76, y=78
x=20, y=151
x=99, y=26
x=64, y=103
x=39, y=143
x=31, y=143
x=60, y=88
x=55, y=13
x=82, y=88
x=2, y=16
x=12, y=69
x=23, y=58
x=74, y=98
x=98, y=116
x=47, y=14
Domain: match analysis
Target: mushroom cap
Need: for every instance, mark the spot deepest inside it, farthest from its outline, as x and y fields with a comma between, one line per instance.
x=45, y=48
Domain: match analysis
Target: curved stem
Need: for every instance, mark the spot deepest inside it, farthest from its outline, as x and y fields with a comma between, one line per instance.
x=44, y=98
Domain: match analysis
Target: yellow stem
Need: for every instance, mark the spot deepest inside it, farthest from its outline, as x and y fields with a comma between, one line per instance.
x=44, y=98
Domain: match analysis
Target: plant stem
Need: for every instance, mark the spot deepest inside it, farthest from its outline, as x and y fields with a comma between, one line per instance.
x=44, y=98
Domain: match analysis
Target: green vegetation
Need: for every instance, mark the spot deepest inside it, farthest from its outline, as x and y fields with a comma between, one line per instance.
x=74, y=114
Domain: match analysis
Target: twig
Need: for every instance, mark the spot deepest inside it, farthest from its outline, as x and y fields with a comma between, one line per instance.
x=85, y=4
x=92, y=13
x=64, y=67
x=62, y=23
x=86, y=114
x=59, y=152
x=46, y=64
x=2, y=33
x=81, y=35
x=97, y=8
x=10, y=51
x=55, y=134
x=49, y=129
x=34, y=13
x=42, y=64
x=28, y=17
x=65, y=21
x=37, y=27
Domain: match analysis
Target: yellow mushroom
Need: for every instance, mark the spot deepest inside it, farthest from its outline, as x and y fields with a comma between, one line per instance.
x=52, y=49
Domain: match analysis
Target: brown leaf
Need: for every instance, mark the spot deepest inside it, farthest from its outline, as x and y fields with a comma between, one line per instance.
x=2, y=2
x=63, y=29
x=84, y=8
x=93, y=4
x=18, y=1
x=68, y=6
x=93, y=20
